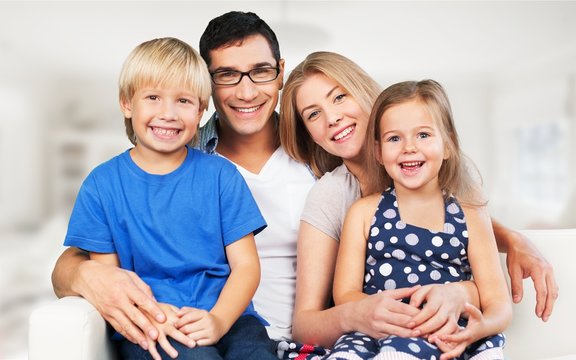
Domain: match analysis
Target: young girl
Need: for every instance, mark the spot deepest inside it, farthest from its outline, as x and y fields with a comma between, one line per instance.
x=429, y=226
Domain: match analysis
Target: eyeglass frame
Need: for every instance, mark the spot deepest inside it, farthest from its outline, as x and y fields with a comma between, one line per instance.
x=246, y=73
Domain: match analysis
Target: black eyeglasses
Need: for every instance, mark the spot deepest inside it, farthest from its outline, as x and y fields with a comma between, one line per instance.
x=257, y=75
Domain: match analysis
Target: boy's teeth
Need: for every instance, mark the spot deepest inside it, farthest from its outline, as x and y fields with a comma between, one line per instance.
x=165, y=132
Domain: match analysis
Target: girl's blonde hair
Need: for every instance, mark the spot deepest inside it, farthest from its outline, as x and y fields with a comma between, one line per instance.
x=455, y=176
x=294, y=136
x=164, y=62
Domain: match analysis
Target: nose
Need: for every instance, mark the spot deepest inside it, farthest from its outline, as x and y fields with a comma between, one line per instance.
x=246, y=90
x=410, y=147
x=168, y=112
x=334, y=118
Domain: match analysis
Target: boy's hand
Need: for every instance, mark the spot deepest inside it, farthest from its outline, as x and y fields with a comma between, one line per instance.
x=200, y=325
x=165, y=330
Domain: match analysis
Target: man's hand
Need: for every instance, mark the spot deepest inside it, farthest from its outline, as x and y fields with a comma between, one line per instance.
x=122, y=298
x=523, y=261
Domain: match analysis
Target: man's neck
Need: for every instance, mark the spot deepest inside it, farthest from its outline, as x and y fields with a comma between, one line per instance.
x=249, y=151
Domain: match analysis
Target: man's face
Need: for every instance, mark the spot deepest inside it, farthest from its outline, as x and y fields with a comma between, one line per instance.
x=246, y=108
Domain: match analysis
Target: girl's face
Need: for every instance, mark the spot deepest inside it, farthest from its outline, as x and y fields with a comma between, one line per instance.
x=333, y=118
x=411, y=147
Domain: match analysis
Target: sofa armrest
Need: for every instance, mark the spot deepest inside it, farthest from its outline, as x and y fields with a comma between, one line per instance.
x=69, y=328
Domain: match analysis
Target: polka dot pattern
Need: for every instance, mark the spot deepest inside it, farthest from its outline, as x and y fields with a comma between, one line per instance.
x=409, y=255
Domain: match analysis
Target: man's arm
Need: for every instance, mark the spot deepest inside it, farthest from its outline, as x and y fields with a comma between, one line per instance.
x=119, y=295
x=524, y=260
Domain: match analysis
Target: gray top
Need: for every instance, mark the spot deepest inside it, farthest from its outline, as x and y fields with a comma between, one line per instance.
x=329, y=200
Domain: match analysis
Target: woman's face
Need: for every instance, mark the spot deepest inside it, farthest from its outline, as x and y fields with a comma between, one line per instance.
x=333, y=118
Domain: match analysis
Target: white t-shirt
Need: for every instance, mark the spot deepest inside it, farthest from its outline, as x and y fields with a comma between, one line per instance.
x=280, y=190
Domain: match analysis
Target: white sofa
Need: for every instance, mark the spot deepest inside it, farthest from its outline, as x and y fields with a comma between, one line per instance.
x=71, y=328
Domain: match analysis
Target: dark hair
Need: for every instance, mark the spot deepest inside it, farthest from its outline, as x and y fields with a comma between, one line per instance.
x=233, y=27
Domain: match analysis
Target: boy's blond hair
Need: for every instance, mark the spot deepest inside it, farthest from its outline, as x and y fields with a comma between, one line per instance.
x=164, y=62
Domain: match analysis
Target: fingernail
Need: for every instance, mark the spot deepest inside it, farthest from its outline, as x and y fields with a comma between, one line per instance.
x=152, y=334
x=144, y=345
x=516, y=298
x=159, y=317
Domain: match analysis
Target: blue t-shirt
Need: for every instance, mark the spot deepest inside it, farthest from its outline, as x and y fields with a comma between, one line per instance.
x=170, y=229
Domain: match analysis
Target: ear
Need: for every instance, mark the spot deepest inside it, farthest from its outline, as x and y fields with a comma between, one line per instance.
x=378, y=152
x=447, y=152
x=126, y=108
x=200, y=114
x=281, y=74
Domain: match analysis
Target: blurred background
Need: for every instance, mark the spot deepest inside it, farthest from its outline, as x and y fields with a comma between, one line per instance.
x=509, y=69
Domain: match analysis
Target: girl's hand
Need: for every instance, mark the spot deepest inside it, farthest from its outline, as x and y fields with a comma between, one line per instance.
x=168, y=329
x=453, y=345
x=442, y=306
x=383, y=314
x=200, y=325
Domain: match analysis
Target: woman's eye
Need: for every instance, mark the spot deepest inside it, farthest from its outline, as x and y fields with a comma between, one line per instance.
x=312, y=115
x=339, y=97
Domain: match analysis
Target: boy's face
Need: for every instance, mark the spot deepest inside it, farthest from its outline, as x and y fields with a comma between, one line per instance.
x=246, y=107
x=164, y=119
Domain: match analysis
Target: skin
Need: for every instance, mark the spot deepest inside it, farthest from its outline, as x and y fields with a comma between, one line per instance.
x=127, y=303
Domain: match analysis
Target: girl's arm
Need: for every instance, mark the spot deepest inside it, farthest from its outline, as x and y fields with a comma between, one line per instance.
x=495, y=302
x=206, y=328
x=524, y=260
x=315, y=322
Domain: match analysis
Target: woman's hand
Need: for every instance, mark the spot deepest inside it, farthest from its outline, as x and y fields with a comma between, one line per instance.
x=453, y=345
x=442, y=306
x=524, y=260
x=383, y=314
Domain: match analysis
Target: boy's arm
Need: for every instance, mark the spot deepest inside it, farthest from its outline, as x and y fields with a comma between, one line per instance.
x=120, y=296
x=524, y=260
x=206, y=328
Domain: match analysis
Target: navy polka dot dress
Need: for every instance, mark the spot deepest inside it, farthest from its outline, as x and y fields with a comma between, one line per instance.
x=400, y=255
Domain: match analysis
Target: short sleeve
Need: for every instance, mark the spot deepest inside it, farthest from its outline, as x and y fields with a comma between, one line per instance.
x=88, y=228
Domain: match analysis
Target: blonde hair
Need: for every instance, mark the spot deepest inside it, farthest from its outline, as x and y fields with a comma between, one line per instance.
x=164, y=62
x=455, y=176
x=294, y=136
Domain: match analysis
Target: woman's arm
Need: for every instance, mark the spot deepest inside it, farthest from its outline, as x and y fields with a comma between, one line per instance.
x=119, y=295
x=495, y=304
x=524, y=260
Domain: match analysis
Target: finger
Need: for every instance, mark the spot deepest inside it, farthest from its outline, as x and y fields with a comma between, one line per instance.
x=552, y=296
x=516, y=279
x=454, y=352
x=419, y=296
x=181, y=337
x=541, y=291
x=123, y=325
x=423, y=316
x=143, y=298
x=167, y=347
x=449, y=327
x=153, y=351
x=140, y=322
x=399, y=294
x=190, y=317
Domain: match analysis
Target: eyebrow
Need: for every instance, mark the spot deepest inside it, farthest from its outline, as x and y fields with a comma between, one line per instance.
x=326, y=97
x=233, y=68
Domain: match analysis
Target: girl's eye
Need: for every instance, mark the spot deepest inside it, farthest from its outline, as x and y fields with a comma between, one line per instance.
x=394, y=138
x=423, y=135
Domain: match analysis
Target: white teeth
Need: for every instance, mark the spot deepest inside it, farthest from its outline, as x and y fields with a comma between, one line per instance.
x=248, y=110
x=165, y=132
x=411, y=164
x=344, y=132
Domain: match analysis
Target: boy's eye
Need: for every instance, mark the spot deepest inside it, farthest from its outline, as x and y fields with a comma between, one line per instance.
x=152, y=97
